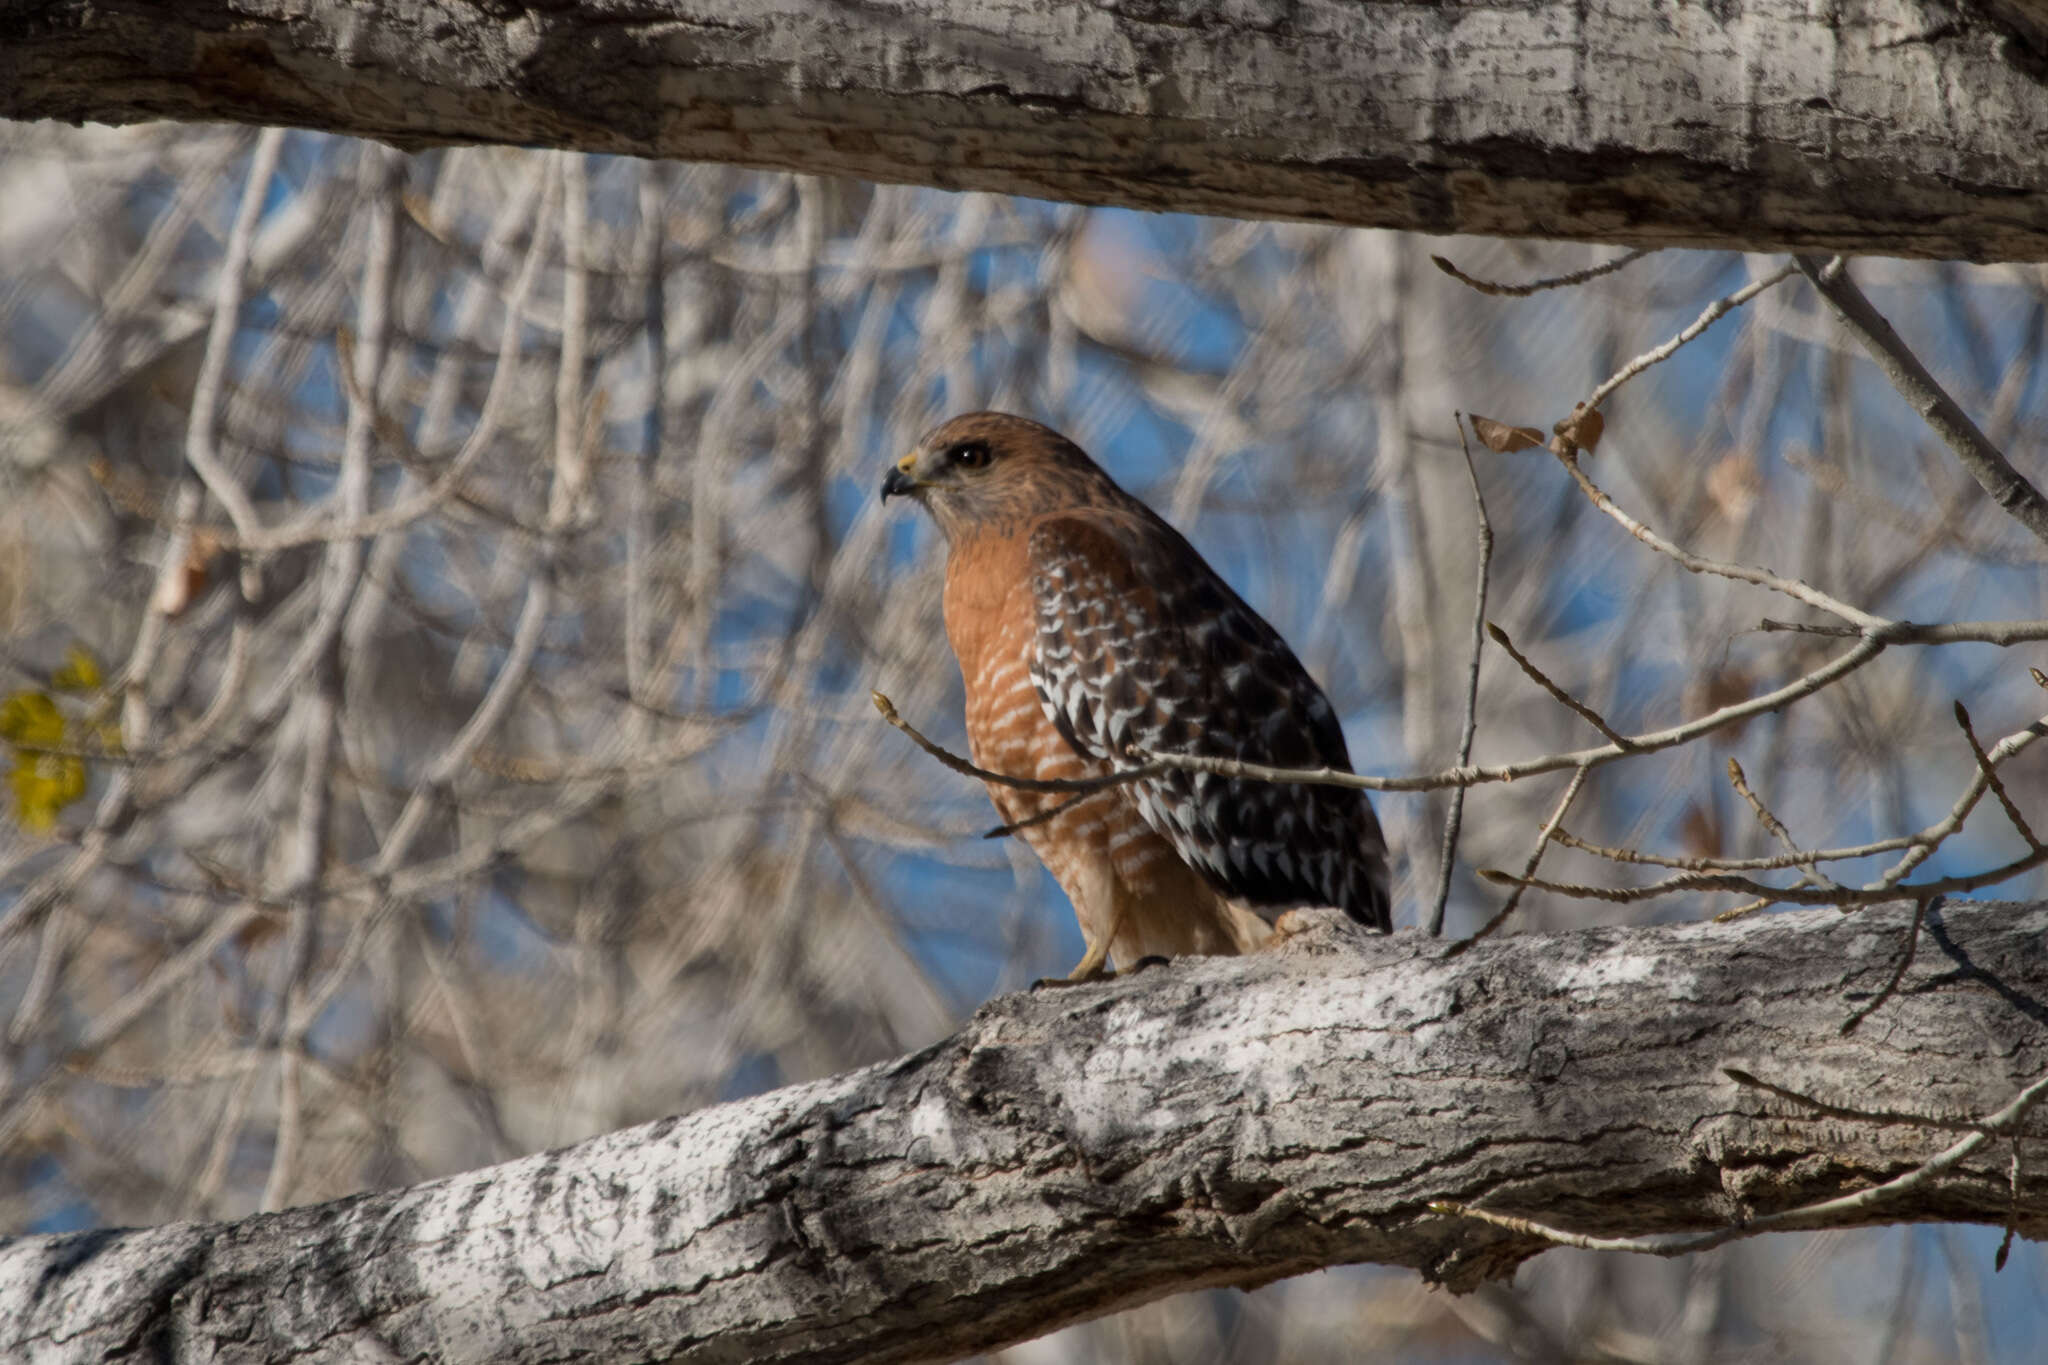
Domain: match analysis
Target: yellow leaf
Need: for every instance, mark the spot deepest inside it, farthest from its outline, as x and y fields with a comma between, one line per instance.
x=31, y=719
x=43, y=785
x=80, y=673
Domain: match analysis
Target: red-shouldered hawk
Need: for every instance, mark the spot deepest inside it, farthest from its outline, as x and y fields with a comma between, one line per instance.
x=1085, y=626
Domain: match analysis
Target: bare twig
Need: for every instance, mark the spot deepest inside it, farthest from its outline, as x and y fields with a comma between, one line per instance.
x=1806, y=685
x=1084, y=786
x=202, y=429
x=1500, y=917
x=1713, y=313
x=1522, y=291
x=1046, y=816
x=1865, y=622
x=1984, y=461
x=1152, y=762
x=1592, y=717
x=1877, y=893
x=1803, y=859
x=1455, y=819
x=1911, y=633
x=1989, y=773
x=1992, y=1126
x=1928, y=838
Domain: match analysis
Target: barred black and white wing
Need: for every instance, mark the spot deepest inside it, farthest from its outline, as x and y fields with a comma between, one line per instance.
x=1141, y=645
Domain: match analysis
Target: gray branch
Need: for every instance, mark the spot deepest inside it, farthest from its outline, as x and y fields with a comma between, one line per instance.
x=1866, y=126
x=2009, y=488
x=1213, y=1122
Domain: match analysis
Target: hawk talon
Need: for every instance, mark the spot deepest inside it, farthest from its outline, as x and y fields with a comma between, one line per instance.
x=1053, y=983
x=1083, y=975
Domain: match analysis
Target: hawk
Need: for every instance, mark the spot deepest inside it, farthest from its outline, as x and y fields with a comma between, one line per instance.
x=1085, y=627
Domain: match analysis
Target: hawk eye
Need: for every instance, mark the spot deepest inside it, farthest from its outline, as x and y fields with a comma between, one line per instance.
x=969, y=454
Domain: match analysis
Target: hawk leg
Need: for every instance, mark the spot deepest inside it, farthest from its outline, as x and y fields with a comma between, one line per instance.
x=1093, y=965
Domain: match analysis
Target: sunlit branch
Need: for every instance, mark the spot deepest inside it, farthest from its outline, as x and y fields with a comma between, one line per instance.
x=1913, y=633
x=1713, y=313
x=1865, y=622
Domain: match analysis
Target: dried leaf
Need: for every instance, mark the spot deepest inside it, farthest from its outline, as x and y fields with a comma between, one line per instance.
x=1583, y=428
x=1503, y=439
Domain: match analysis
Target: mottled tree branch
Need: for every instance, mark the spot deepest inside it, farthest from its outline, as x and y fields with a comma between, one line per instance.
x=1757, y=124
x=1215, y=1122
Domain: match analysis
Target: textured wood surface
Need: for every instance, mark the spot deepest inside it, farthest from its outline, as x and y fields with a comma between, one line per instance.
x=1882, y=126
x=1217, y=1121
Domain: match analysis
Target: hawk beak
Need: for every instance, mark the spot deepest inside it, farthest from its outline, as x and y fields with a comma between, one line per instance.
x=900, y=479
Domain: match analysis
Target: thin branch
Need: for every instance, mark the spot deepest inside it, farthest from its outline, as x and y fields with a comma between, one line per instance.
x=1910, y=633
x=1990, y=776
x=1713, y=313
x=1086, y=786
x=1523, y=291
x=1046, y=816
x=1992, y=1126
x=1500, y=637
x=1803, y=859
x=1564, y=803
x=1152, y=762
x=1931, y=836
x=1454, y=821
x=1984, y=461
x=202, y=431
x=1864, y=621
x=1879, y=893
x=1839, y=667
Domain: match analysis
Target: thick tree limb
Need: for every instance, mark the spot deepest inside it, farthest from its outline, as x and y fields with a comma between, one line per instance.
x=1865, y=126
x=1215, y=1122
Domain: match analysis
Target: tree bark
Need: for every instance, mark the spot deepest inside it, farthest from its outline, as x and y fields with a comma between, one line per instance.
x=1075, y=1151
x=1880, y=126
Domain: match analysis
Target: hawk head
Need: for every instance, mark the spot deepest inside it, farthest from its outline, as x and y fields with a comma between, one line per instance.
x=985, y=469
